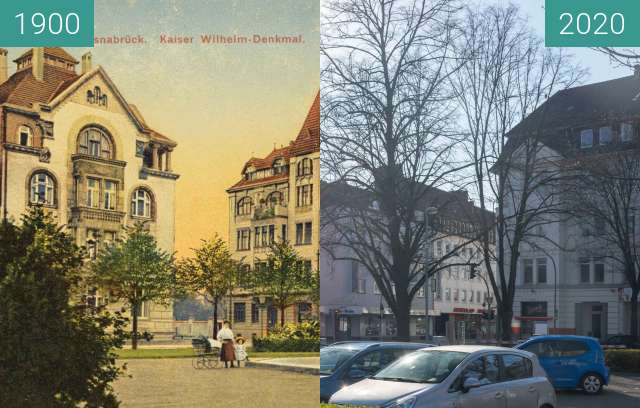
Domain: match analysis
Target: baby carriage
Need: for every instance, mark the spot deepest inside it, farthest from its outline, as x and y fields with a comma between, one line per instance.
x=207, y=353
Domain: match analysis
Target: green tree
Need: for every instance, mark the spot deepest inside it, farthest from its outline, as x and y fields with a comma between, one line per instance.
x=53, y=353
x=284, y=277
x=135, y=270
x=211, y=272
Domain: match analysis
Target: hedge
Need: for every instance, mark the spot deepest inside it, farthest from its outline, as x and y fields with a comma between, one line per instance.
x=289, y=345
x=623, y=360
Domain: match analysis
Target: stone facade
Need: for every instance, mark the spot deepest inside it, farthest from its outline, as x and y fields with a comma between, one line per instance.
x=278, y=198
x=72, y=144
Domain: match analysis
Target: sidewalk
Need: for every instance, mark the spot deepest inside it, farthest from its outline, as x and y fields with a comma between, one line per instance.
x=304, y=365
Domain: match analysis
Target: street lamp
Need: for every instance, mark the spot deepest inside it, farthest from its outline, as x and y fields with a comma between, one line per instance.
x=428, y=212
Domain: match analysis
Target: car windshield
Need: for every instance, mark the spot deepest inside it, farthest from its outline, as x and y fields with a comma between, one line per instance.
x=332, y=357
x=430, y=367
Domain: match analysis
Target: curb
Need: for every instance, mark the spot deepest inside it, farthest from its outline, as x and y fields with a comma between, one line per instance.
x=284, y=367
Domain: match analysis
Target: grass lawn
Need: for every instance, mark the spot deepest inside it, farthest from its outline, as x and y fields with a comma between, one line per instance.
x=188, y=352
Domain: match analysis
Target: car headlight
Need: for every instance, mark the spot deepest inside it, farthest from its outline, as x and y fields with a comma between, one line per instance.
x=406, y=402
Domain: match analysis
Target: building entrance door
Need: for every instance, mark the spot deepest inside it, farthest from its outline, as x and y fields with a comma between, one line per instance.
x=591, y=320
x=597, y=315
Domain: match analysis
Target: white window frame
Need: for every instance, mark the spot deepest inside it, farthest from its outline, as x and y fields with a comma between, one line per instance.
x=110, y=195
x=141, y=196
x=27, y=130
x=93, y=193
x=42, y=182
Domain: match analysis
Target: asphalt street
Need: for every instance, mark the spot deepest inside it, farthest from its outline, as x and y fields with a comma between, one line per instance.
x=623, y=392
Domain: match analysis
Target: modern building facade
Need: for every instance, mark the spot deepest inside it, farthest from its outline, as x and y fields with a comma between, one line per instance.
x=278, y=198
x=72, y=144
x=567, y=280
x=352, y=307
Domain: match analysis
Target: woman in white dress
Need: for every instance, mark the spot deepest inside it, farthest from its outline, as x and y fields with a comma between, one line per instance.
x=225, y=335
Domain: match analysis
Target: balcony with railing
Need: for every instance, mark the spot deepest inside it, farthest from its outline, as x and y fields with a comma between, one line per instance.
x=269, y=212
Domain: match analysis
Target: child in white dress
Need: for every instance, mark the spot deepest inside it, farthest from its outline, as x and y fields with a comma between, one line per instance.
x=241, y=352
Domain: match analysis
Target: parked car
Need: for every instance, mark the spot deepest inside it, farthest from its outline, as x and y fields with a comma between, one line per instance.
x=621, y=341
x=571, y=361
x=345, y=363
x=323, y=342
x=456, y=376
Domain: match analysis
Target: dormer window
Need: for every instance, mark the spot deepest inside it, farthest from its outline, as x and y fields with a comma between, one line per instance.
x=606, y=136
x=626, y=132
x=279, y=166
x=586, y=138
x=25, y=137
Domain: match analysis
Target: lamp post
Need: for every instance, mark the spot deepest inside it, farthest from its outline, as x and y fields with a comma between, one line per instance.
x=428, y=212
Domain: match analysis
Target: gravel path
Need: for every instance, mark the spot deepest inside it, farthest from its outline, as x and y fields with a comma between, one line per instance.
x=174, y=383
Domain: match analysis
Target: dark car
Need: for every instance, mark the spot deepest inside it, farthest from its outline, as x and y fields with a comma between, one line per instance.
x=345, y=363
x=621, y=341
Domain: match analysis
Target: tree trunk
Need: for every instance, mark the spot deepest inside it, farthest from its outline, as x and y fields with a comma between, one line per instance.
x=215, y=317
x=134, y=329
x=282, y=309
x=634, y=310
x=403, y=317
x=505, y=317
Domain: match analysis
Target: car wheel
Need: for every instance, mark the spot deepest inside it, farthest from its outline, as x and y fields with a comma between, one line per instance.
x=592, y=384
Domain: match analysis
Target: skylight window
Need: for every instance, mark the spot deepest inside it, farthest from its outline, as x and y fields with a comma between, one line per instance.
x=606, y=136
x=626, y=132
x=586, y=138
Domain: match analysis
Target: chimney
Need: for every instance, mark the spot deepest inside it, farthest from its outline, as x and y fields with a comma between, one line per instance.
x=87, y=63
x=37, y=63
x=4, y=68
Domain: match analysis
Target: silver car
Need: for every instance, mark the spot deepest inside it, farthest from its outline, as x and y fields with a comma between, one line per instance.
x=455, y=377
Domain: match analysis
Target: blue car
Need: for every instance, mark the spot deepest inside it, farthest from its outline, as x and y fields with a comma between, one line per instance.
x=571, y=361
x=345, y=363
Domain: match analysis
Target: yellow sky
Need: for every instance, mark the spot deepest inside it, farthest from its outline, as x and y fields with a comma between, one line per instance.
x=222, y=104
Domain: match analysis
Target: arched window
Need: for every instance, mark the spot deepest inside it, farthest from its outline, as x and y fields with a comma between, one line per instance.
x=42, y=189
x=305, y=167
x=274, y=199
x=95, y=142
x=25, y=136
x=141, y=203
x=245, y=206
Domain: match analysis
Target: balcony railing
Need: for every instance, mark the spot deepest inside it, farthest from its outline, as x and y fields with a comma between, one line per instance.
x=96, y=214
x=263, y=213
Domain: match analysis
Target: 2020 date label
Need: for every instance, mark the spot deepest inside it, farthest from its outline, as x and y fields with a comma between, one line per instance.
x=62, y=23
x=592, y=23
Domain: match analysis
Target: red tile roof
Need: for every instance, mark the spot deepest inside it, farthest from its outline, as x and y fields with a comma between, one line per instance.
x=24, y=90
x=242, y=184
x=55, y=52
x=308, y=141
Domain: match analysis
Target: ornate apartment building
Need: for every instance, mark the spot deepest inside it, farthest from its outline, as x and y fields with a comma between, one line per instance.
x=569, y=280
x=278, y=198
x=72, y=144
x=352, y=306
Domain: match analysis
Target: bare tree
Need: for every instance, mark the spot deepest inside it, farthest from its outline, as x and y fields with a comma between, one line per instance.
x=386, y=114
x=625, y=57
x=507, y=77
x=606, y=198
